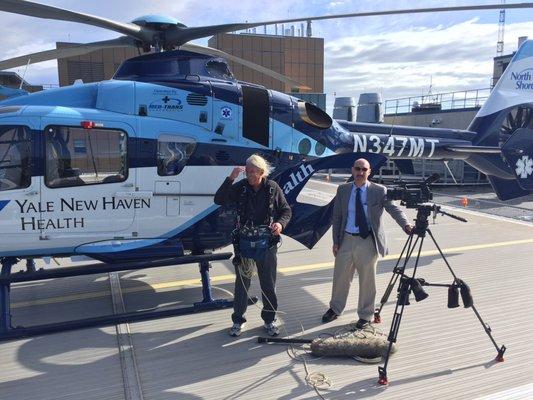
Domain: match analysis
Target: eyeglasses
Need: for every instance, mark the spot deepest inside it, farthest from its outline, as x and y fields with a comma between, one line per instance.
x=361, y=169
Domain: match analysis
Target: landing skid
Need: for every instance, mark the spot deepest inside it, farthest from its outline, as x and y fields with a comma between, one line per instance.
x=7, y=332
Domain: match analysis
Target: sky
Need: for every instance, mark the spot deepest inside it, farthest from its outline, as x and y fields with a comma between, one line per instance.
x=396, y=56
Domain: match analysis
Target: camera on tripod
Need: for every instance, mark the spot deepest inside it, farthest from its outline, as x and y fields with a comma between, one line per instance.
x=418, y=196
x=413, y=194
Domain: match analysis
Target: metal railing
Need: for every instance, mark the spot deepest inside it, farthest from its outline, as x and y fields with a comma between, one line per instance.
x=50, y=85
x=436, y=102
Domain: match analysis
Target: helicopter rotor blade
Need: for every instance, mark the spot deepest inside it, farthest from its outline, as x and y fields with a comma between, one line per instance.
x=256, y=67
x=48, y=12
x=77, y=50
x=177, y=36
x=393, y=12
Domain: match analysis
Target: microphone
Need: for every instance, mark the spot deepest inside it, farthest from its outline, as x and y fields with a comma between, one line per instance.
x=364, y=343
x=432, y=179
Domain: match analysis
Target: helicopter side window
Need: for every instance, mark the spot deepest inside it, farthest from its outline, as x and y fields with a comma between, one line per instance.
x=218, y=69
x=15, y=158
x=77, y=156
x=173, y=154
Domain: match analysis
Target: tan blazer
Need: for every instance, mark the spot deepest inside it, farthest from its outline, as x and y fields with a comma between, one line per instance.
x=376, y=201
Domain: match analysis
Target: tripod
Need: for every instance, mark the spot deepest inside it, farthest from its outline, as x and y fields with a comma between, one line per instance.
x=410, y=284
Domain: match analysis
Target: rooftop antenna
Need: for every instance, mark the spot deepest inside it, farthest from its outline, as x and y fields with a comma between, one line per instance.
x=501, y=31
x=429, y=95
x=24, y=74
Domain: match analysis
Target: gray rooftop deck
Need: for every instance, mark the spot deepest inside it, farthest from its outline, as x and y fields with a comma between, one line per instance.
x=442, y=353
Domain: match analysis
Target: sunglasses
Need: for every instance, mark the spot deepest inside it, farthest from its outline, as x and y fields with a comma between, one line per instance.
x=361, y=169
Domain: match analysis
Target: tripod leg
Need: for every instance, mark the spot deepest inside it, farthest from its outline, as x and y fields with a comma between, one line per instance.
x=488, y=331
x=403, y=295
x=486, y=327
x=396, y=272
x=393, y=333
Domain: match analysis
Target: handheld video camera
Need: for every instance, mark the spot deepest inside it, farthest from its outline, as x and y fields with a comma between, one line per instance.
x=413, y=194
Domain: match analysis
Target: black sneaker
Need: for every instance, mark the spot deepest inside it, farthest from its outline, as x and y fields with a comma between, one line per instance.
x=362, y=323
x=329, y=316
x=271, y=328
x=236, y=329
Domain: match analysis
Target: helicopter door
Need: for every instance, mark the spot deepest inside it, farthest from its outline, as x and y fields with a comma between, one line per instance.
x=256, y=115
x=226, y=116
x=19, y=184
x=166, y=181
x=87, y=181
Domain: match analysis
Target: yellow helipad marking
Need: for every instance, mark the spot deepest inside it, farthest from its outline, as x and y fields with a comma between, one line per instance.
x=231, y=277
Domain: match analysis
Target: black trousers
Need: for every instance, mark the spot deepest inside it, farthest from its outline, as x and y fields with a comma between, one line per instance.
x=266, y=271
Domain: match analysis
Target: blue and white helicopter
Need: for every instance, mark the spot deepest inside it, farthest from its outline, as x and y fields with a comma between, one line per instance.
x=124, y=171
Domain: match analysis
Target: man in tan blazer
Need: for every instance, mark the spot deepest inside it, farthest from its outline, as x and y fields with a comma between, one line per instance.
x=358, y=239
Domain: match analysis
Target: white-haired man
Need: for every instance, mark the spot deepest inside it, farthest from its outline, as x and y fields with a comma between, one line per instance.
x=358, y=240
x=260, y=201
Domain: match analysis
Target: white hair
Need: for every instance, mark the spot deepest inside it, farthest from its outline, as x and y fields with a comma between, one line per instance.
x=259, y=162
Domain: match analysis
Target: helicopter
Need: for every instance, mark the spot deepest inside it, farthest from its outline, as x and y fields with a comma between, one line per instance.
x=123, y=172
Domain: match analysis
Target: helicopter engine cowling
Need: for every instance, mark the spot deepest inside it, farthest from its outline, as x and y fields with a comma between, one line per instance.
x=314, y=116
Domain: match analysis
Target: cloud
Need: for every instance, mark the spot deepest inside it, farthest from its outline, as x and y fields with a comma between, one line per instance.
x=385, y=54
x=403, y=63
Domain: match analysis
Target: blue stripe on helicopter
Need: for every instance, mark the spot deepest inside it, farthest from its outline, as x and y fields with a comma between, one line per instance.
x=115, y=246
x=525, y=51
x=3, y=203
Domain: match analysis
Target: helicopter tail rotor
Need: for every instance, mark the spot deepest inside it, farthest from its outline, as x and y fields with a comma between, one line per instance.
x=505, y=122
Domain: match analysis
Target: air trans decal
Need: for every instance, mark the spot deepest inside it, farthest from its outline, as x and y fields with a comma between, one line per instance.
x=395, y=146
x=166, y=104
x=33, y=215
x=163, y=102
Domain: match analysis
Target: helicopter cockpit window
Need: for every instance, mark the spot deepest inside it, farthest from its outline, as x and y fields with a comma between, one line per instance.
x=218, y=69
x=15, y=158
x=160, y=68
x=173, y=153
x=77, y=156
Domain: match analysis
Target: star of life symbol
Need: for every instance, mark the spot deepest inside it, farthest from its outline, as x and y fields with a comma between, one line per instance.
x=225, y=112
x=524, y=167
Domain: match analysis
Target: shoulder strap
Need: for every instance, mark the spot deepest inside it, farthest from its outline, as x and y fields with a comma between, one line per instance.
x=241, y=205
x=271, y=197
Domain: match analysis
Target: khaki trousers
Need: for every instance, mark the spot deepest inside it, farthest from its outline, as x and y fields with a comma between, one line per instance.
x=355, y=253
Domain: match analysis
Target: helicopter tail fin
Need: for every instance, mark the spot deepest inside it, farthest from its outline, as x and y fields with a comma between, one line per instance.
x=506, y=121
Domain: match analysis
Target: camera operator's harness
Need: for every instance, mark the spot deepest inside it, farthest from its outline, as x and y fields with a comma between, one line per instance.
x=410, y=284
x=251, y=242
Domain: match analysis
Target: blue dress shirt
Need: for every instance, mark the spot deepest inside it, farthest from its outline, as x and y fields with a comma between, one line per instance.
x=350, y=222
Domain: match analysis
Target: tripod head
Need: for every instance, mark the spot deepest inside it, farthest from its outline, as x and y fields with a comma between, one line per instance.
x=424, y=211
